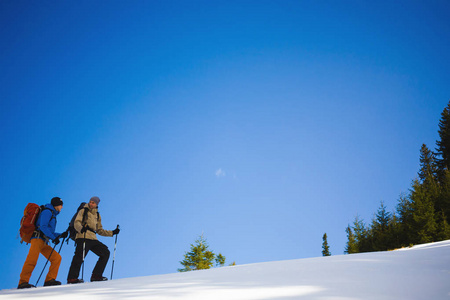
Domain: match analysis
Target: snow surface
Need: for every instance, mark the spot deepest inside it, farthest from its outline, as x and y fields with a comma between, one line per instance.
x=420, y=272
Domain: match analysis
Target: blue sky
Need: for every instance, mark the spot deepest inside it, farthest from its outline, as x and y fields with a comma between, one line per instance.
x=262, y=124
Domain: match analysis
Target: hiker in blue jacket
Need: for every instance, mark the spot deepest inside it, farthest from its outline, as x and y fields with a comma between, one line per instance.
x=46, y=223
x=45, y=231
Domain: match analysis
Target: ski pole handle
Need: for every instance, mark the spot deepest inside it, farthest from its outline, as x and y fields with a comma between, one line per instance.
x=116, y=231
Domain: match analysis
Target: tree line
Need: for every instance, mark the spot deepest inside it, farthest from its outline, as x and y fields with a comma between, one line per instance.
x=422, y=215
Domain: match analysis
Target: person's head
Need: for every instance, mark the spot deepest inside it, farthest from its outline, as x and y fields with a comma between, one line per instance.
x=93, y=203
x=57, y=203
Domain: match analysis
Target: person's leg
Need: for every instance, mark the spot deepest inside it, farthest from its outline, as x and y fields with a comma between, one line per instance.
x=31, y=260
x=55, y=261
x=103, y=253
x=77, y=259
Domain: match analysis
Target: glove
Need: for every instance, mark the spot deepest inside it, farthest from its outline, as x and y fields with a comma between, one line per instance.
x=85, y=228
x=64, y=234
x=56, y=241
x=116, y=231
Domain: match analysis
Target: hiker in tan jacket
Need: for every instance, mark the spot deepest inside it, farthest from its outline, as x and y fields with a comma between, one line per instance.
x=88, y=224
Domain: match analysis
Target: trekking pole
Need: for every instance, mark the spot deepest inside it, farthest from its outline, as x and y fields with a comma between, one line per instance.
x=53, y=249
x=114, y=255
x=84, y=247
x=61, y=245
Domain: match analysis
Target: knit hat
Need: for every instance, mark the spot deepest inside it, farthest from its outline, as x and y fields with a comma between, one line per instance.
x=56, y=201
x=95, y=199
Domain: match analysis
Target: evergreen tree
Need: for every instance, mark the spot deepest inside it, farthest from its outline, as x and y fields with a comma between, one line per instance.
x=352, y=246
x=405, y=219
x=325, y=247
x=428, y=177
x=199, y=257
x=394, y=233
x=443, y=145
x=424, y=226
x=443, y=163
x=428, y=165
x=362, y=236
x=380, y=230
x=444, y=227
x=220, y=260
x=359, y=239
x=443, y=201
x=383, y=217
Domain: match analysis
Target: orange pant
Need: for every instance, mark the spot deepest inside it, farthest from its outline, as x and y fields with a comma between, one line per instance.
x=39, y=246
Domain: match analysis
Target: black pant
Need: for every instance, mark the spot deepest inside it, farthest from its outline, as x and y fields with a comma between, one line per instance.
x=95, y=246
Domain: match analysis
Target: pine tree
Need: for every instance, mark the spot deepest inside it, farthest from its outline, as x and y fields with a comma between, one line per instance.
x=443, y=145
x=405, y=219
x=443, y=201
x=199, y=257
x=220, y=260
x=363, y=236
x=428, y=165
x=443, y=163
x=424, y=226
x=352, y=246
x=380, y=229
x=325, y=247
x=429, y=178
x=383, y=217
x=394, y=233
x=444, y=227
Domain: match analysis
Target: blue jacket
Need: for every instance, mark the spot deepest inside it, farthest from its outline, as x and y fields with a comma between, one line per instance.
x=46, y=222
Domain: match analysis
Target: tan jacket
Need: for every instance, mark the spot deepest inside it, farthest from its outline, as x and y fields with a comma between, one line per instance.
x=94, y=222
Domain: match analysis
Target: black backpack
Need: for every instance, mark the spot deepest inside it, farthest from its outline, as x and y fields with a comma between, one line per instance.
x=72, y=231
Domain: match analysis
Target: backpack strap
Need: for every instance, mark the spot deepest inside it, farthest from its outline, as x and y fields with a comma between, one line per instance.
x=85, y=216
x=46, y=208
x=38, y=233
x=42, y=209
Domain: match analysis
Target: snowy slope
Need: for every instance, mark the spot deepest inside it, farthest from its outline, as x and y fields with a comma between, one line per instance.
x=421, y=272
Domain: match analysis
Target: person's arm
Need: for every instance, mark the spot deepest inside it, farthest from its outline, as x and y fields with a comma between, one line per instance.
x=44, y=224
x=100, y=229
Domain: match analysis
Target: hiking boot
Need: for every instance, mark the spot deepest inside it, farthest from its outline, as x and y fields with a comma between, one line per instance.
x=25, y=285
x=98, y=278
x=74, y=281
x=52, y=282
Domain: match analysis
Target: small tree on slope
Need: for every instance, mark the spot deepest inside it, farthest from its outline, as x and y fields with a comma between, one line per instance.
x=325, y=247
x=200, y=258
